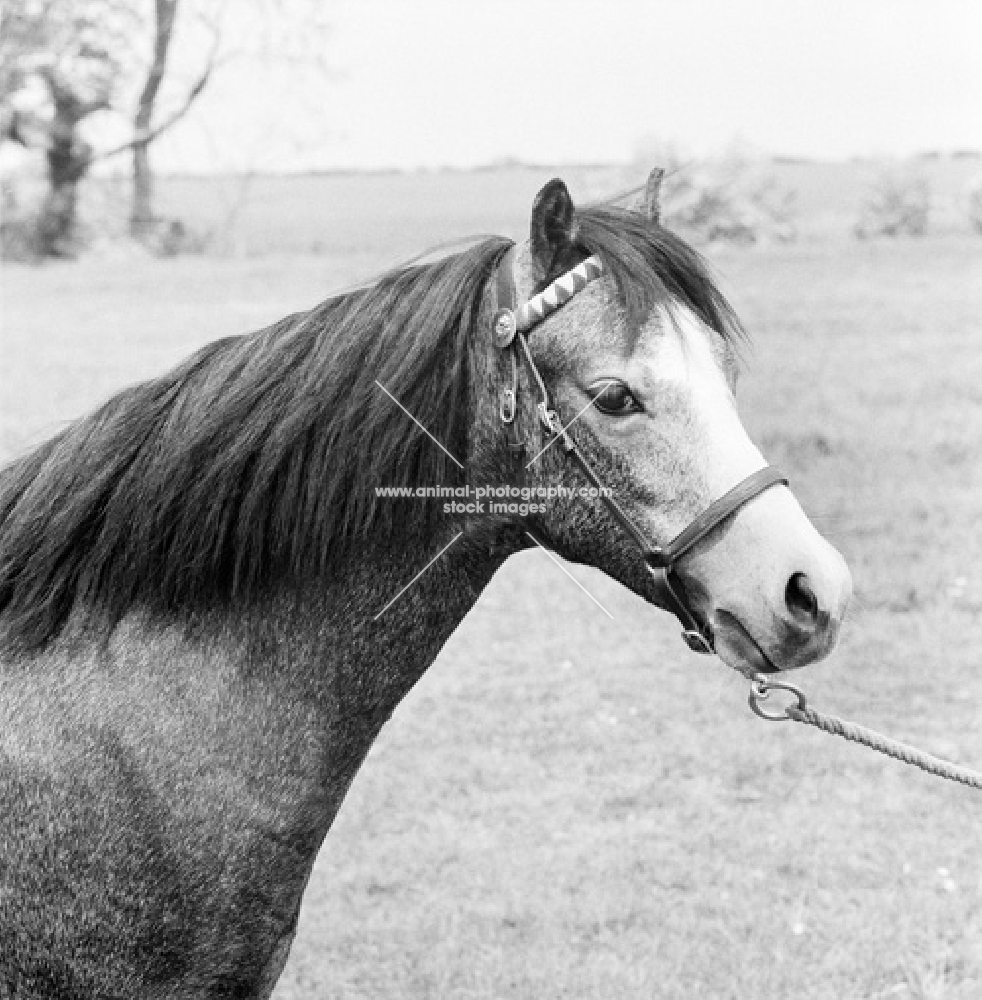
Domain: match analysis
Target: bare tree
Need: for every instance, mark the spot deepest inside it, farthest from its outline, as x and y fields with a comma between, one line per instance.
x=80, y=59
x=89, y=56
x=141, y=217
x=67, y=59
x=144, y=132
x=69, y=157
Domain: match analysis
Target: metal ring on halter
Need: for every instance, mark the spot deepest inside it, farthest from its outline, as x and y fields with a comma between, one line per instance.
x=760, y=689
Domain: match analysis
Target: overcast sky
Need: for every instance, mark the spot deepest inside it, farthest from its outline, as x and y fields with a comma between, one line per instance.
x=462, y=82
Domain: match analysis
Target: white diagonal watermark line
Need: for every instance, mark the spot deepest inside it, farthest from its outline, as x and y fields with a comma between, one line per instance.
x=418, y=575
x=417, y=423
x=570, y=575
x=556, y=437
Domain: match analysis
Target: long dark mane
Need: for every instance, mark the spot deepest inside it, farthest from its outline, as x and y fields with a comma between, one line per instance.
x=256, y=460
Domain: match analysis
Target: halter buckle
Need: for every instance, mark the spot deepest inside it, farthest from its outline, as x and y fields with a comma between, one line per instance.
x=697, y=642
x=508, y=406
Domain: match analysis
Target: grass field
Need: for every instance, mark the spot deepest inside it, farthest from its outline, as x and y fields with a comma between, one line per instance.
x=349, y=215
x=568, y=806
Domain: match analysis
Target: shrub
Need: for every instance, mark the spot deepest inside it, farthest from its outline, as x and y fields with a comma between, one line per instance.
x=18, y=228
x=729, y=203
x=102, y=223
x=171, y=238
x=732, y=200
x=896, y=203
x=975, y=205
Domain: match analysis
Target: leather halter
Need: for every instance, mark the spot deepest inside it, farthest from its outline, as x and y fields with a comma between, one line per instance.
x=510, y=325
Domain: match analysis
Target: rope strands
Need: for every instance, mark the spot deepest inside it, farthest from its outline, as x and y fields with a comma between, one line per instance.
x=760, y=689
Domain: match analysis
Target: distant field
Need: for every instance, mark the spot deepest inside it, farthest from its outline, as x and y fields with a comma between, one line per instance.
x=569, y=807
x=404, y=212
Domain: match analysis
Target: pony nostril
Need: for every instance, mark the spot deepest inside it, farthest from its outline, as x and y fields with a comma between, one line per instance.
x=801, y=599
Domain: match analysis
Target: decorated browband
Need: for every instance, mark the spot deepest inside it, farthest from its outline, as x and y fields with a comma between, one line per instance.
x=558, y=293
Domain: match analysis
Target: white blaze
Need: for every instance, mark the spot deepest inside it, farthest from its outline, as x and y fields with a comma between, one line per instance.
x=686, y=358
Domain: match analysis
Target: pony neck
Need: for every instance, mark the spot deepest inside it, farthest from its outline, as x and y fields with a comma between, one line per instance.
x=357, y=645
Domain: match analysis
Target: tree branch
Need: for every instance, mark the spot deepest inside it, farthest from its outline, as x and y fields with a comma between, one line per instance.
x=166, y=13
x=151, y=134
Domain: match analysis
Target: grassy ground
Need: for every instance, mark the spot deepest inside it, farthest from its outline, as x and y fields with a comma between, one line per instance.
x=569, y=806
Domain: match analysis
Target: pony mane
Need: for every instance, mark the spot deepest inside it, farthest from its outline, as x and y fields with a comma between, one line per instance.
x=255, y=461
x=652, y=266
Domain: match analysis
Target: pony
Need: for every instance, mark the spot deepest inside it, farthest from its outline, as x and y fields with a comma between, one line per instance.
x=216, y=588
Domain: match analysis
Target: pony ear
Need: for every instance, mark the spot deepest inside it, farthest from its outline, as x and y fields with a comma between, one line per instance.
x=650, y=204
x=552, y=236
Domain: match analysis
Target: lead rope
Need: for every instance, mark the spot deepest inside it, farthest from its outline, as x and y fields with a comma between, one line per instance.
x=760, y=688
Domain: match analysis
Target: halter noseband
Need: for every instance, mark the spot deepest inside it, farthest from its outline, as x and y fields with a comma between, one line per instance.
x=510, y=325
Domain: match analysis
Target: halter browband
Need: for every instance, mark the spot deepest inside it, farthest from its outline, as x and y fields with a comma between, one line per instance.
x=558, y=293
x=511, y=323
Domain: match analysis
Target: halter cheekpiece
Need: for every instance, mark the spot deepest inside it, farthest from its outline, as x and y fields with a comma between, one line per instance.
x=510, y=325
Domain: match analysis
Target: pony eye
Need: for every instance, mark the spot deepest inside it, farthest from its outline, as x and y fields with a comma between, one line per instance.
x=614, y=398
